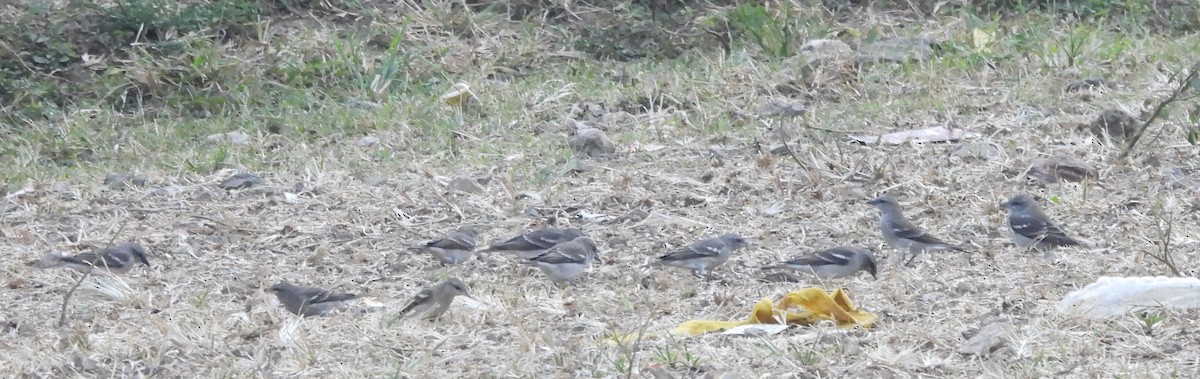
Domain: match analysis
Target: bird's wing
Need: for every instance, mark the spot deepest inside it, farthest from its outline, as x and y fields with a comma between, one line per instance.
x=563, y=253
x=310, y=295
x=516, y=243
x=454, y=241
x=704, y=249
x=117, y=257
x=909, y=231
x=82, y=259
x=536, y=240
x=1038, y=228
x=331, y=297
x=835, y=257
x=547, y=238
x=423, y=297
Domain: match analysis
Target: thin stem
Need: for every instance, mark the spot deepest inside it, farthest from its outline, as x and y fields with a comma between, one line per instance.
x=62, y=312
x=784, y=137
x=1184, y=85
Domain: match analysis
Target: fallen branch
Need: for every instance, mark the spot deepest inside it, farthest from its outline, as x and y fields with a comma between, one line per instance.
x=1164, y=235
x=62, y=312
x=1184, y=86
x=784, y=137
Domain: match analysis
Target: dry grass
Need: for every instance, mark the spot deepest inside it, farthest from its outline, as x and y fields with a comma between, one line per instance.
x=704, y=167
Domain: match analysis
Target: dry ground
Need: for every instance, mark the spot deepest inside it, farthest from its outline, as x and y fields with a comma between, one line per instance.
x=695, y=164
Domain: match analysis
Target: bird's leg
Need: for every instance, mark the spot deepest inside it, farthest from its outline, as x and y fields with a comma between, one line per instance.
x=910, y=260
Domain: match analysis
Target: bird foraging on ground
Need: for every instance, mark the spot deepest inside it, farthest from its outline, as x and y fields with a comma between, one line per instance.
x=704, y=255
x=534, y=243
x=309, y=301
x=115, y=259
x=432, y=302
x=832, y=263
x=1032, y=228
x=902, y=235
x=567, y=261
x=454, y=249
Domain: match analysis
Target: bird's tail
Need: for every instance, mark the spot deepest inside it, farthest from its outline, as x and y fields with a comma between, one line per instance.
x=652, y=264
x=49, y=260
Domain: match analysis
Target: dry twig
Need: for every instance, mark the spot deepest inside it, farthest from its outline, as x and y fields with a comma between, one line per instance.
x=62, y=313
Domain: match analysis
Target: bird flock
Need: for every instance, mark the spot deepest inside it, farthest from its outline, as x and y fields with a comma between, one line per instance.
x=564, y=255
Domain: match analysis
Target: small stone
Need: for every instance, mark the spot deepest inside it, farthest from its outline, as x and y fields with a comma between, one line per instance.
x=368, y=141
x=241, y=181
x=372, y=180
x=166, y=191
x=83, y=363
x=657, y=280
x=1116, y=124
x=238, y=138
x=576, y=166
x=466, y=185
x=234, y=137
x=358, y=103
x=1171, y=347
x=931, y=297
x=991, y=337
x=979, y=150
x=780, y=277
x=26, y=330
x=896, y=50
x=1062, y=168
x=719, y=374
x=1179, y=178
x=15, y=283
x=591, y=141
x=592, y=111
x=820, y=51
x=121, y=181
x=783, y=109
x=782, y=149
x=850, y=349
x=1089, y=83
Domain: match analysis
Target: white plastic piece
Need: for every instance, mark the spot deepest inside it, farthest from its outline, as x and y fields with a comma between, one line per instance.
x=757, y=329
x=1117, y=296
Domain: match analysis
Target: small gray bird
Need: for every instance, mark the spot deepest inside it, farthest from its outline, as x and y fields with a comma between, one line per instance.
x=309, y=301
x=1031, y=227
x=536, y=242
x=704, y=255
x=432, y=302
x=456, y=248
x=567, y=261
x=837, y=262
x=902, y=235
x=116, y=259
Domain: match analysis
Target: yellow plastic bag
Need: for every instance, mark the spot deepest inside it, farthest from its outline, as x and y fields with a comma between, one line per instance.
x=815, y=305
